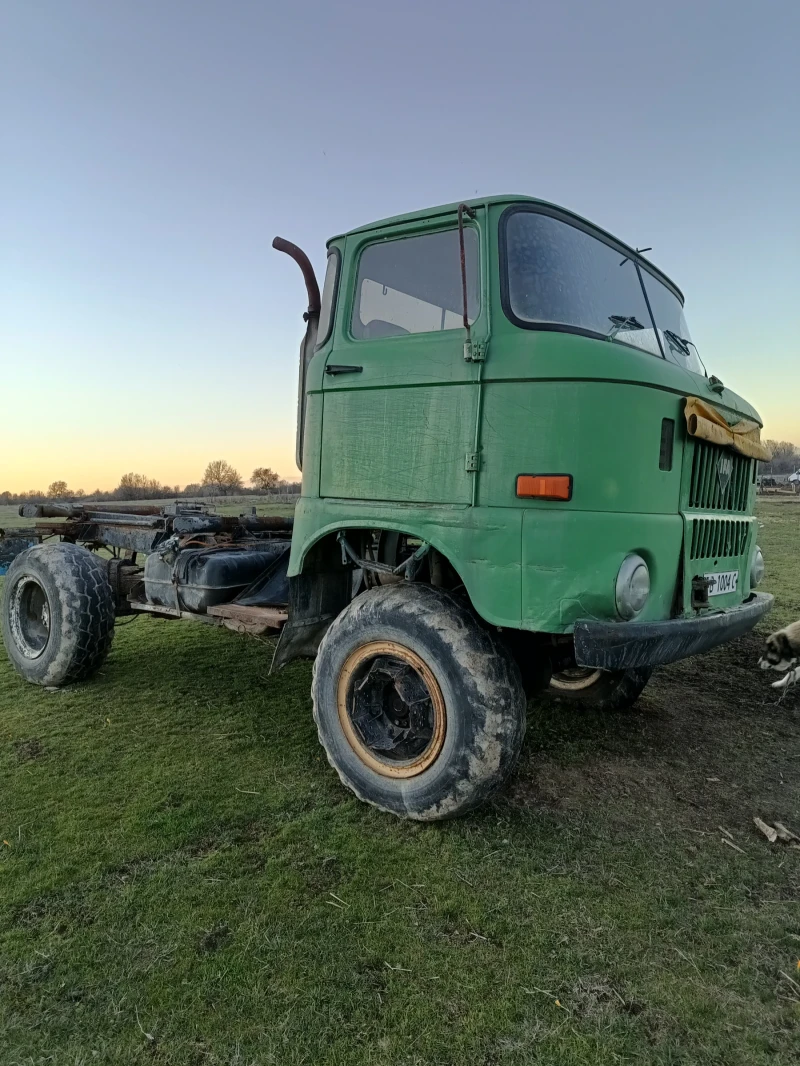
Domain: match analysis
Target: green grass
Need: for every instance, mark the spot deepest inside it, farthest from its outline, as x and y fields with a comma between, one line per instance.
x=185, y=881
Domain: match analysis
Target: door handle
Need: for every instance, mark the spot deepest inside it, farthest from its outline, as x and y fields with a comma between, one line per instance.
x=341, y=368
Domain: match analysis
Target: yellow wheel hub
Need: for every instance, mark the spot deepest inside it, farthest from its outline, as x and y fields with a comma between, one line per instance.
x=391, y=709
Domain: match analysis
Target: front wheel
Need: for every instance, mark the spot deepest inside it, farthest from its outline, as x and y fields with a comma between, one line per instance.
x=599, y=690
x=420, y=709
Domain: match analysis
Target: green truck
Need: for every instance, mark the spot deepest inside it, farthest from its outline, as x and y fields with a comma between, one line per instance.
x=517, y=478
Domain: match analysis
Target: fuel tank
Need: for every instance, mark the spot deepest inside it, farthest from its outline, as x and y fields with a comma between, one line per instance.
x=199, y=578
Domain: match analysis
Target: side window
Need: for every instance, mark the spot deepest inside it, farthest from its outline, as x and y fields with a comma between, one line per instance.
x=328, y=300
x=413, y=285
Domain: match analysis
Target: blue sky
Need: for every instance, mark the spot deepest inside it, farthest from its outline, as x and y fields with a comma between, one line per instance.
x=151, y=151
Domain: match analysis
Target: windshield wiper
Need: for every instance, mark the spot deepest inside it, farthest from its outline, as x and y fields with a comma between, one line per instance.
x=622, y=322
x=680, y=344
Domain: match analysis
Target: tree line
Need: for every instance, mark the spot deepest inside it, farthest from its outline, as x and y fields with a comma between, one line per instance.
x=785, y=458
x=219, y=479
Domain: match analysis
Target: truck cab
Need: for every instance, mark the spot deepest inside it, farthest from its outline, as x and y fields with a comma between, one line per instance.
x=505, y=431
x=525, y=416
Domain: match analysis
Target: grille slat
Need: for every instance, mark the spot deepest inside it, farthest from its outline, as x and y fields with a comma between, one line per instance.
x=704, y=494
x=744, y=485
x=718, y=538
x=705, y=489
x=713, y=484
x=709, y=481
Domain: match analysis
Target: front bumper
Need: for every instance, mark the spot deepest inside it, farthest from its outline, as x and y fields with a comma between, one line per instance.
x=628, y=645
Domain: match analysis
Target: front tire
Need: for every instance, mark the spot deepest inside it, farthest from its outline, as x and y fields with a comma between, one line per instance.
x=420, y=709
x=57, y=614
x=599, y=690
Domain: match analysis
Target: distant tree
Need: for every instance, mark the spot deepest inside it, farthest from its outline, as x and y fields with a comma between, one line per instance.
x=129, y=486
x=264, y=479
x=785, y=458
x=221, y=477
x=58, y=490
x=138, y=487
x=192, y=490
x=77, y=494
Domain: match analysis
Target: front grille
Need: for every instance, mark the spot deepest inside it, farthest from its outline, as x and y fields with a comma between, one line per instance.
x=706, y=490
x=714, y=538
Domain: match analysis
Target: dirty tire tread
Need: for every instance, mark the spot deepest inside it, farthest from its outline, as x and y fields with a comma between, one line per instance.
x=82, y=608
x=491, y=711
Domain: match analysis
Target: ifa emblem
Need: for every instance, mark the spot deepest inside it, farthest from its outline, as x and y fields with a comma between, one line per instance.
x=724, y=472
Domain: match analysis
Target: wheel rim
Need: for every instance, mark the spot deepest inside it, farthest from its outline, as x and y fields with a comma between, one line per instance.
x=575, y=678
x=391, y=709
x=30, y=618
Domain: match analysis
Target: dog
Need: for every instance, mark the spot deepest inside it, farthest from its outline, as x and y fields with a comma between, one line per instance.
x=782, y=653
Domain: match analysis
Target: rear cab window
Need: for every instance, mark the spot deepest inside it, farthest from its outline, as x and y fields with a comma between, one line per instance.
x=328, y=300
x=413, y=285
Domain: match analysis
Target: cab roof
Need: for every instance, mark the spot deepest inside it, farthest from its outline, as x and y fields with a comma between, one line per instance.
x=504, y=198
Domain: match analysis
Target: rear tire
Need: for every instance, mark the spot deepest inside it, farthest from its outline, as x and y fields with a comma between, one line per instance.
x=599, y=690
x=420, y=709
x=57, y=614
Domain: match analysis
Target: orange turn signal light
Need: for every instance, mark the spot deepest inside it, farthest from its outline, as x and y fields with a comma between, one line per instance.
x=545, y=486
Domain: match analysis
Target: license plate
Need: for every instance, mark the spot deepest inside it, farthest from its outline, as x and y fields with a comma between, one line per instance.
x=719, y=584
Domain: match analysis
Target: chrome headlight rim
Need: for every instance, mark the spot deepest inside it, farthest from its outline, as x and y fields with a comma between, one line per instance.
x=630, y=592
x=757, y=568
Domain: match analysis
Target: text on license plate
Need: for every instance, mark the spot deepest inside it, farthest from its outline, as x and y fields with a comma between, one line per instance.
x=719, y=584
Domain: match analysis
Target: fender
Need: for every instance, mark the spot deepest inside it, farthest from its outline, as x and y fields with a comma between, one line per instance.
x=482, y=544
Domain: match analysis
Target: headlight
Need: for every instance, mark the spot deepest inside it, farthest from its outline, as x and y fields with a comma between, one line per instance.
x=633, y=586
x=757, y=568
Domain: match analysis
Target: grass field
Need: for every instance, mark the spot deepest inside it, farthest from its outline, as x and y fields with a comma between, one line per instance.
x=184, y=881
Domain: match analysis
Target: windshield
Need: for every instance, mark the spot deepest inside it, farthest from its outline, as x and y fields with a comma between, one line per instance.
x=671, y=321
x=561, y=277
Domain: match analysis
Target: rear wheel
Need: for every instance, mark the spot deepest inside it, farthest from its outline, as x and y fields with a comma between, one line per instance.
x=57, y=614
x=599, y=690
x=419, y=708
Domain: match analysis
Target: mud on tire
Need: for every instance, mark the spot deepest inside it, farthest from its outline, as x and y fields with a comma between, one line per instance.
x=57, y=614
x=420, y=709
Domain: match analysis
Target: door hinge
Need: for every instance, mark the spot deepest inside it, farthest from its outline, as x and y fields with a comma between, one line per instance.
x=473, y=463
x=475, y=351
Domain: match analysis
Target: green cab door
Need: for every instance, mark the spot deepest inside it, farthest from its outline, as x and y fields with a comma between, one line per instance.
x=399, y=398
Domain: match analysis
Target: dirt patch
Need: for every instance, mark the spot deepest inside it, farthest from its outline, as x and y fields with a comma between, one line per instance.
x=29, y=750
x=214, y=938
x=709, y=737
x=595, y=997
x=573, y=788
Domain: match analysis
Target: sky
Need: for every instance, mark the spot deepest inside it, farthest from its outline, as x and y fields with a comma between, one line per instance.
x=150, y=151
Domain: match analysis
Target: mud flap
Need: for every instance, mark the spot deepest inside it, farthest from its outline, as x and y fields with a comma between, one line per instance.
x=315, y=599
x=271, y=588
